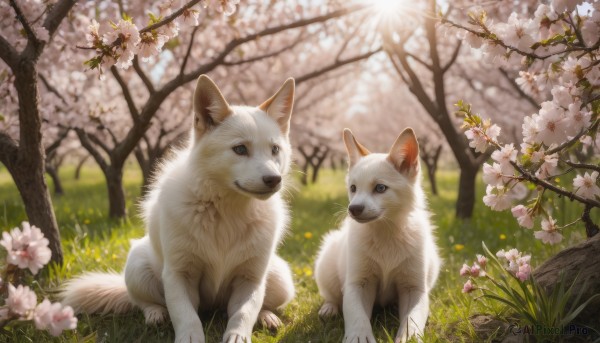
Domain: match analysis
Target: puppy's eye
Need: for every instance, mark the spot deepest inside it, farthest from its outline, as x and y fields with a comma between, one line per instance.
x=240, y=150
x=353, y=189
x=275, y=149
x=379, y=188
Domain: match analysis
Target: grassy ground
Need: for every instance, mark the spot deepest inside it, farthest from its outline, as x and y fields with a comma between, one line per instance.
x=91, y=242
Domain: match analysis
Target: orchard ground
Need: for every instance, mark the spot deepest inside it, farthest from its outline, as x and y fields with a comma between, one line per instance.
x=92, y=242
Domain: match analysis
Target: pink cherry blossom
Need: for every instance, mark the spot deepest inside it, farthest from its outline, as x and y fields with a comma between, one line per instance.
x=54, y=317
x=586, y=186
x=523, y=215
x=496, y=198
x=492, y=174
x=21, y=300
x=477, y=139
x=476, y=271
x=549, y=233
x=523, y=272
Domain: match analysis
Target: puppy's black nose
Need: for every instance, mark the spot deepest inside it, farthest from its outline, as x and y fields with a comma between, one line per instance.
x=356, y=210
x=272, y=180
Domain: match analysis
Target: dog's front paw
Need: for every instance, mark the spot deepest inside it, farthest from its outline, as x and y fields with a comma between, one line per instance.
x=269, y=320
x=328, y=310
x=236, y=338
x=363, y=337
x=190, y=336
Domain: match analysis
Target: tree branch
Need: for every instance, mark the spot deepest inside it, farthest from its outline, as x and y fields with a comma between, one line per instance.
x=171, y=17
x=52, y=147
x=52, y=88
x=9, y=149
x=56, y=14
x=135, y=115
x=142, y=75
x=516, y=87
x=416, y=58
x=87, y=144
x=189, y=51
x=267, y=55
x=452, y=58
x=336, y=65
x=583, y=165
x=8, y=54
x=26, y=27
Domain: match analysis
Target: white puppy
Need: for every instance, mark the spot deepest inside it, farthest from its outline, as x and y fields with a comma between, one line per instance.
x=385, y=252
x=215, y=219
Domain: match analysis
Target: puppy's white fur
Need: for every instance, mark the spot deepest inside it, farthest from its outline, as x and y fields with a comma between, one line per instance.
x=213, y=226
x=386, y=254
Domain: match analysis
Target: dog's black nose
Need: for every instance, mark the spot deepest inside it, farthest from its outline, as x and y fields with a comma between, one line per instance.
x=272, y=180
x=356, y=210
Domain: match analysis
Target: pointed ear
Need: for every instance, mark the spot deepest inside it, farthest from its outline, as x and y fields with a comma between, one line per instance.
x=404, y=154
x=279, y=106
x=210, y=107
x=354, y=148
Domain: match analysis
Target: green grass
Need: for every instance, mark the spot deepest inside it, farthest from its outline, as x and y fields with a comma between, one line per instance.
x=92, y=242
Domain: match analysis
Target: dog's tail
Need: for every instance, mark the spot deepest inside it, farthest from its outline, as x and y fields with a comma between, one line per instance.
x=97, y=293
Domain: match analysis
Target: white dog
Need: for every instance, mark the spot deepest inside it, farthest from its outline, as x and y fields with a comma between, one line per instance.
x=386, y=253
x=214, y=220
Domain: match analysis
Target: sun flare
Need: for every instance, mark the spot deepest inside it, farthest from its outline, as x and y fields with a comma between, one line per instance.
x=388, y=6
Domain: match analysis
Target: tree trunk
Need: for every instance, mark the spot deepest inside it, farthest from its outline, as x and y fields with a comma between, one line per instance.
x=38, y=205
x=58, y=188
x=431, y=175
x=317, y=166
x=145, y=167
x=466, y=192
x=304, y=178
x=79, y=166
x=116, y=194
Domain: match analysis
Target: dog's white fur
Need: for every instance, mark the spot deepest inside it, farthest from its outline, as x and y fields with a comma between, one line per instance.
x=385, y=255
x=213, y=226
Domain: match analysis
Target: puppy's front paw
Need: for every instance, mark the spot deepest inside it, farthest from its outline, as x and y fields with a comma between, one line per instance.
x=190, y=336
x=405, y=333
x=364, y=337
x=269, y=320
x=236, y=338
x=328, y=310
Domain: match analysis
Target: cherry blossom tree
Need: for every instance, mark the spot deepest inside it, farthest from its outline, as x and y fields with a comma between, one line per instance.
x=432, y=63
x=187, y=54
x=557, y=52
x=28, y=39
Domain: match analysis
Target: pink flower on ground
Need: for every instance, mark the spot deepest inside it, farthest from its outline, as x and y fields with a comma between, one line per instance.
x=549, y=233
x=523, y=215
x=468, y=287
x=20, y=300
x=524, y=272
x=476, y=271
x=54, y=317
x=586, y=186
x=482, y=261
x=465, y=270
x=27, y=248
x=62, y=318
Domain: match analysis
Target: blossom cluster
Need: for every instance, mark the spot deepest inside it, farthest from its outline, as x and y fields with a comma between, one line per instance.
x=28, y=249
x=556, y=53
x=511, y=261
x=118, y=43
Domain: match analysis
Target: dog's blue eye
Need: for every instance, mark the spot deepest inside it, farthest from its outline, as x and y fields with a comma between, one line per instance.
x=240, y=150
x=353, y=189
x=275, y=149
x=379, y=188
